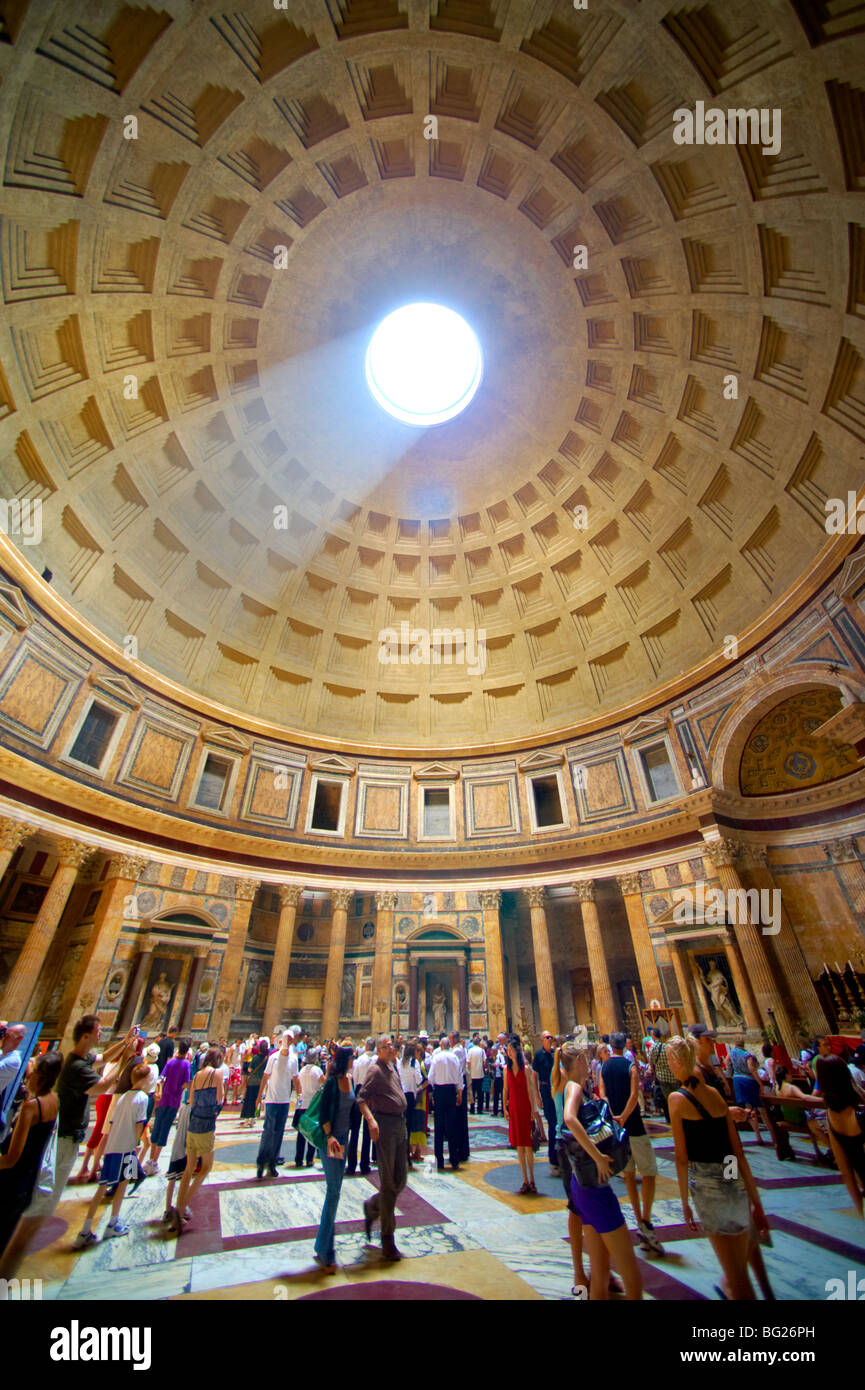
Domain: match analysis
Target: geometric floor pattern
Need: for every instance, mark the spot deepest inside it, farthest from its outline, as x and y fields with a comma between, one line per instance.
x=463, y=1235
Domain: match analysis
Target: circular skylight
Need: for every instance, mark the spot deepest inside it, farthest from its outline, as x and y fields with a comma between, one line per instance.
x=423, y=364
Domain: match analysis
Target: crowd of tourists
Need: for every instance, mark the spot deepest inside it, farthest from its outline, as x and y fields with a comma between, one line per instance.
x=378, y=1104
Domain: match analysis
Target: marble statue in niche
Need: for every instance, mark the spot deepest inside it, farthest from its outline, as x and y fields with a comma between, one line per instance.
x=439, y=1007
x=726, y=1014
x=346, y=1003
x=160, y=998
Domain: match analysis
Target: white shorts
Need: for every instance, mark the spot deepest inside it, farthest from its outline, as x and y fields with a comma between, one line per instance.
x=642, y=1158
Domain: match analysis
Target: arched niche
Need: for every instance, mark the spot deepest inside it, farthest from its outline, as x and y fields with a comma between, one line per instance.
x=741, y=720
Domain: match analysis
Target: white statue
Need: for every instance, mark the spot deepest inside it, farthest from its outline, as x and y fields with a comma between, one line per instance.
x=439, y=1007
x=720, y=996
x=160, y=998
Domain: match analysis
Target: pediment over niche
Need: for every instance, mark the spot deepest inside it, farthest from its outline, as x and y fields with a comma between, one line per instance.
x=13, y=606
x=643, y=727
x=332, y=762
x=535, y=761
x=225, y=738
x=436, y=772
x=118, y=686
x=852, y=576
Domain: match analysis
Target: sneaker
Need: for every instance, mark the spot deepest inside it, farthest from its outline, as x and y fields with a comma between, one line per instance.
x=648, y=1237
x=554, y=1171
x=84, y=1240
x=118, y=1230
x=150, y=1168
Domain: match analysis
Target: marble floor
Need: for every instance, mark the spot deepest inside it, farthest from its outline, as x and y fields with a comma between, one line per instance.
x=462, y=1235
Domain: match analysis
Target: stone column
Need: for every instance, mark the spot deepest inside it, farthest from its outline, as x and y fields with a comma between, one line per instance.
x=647, y=966
x=124, y=871
x=413, y=1024
x=385, y=907
x=289, y=902
x=851, y=871
x=602, y=994
x=24, y=978
x=192, y=989
x=232, y=956
x=126, y=1017
x=463, y=988
x=340, y=899
x=13, y=833
x=785, y=944
x=757, y=971
x=681, y=965
x=543, y=960
x=491, y=901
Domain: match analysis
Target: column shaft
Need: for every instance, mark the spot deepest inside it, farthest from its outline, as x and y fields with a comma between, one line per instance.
x=785, y=944
x=192, y=989
x=142, y=964
x=602, y=994
x=385, y=904
x=491, y=900
x=335, y=962
x=289, y=902
x=463, y=986
x=547, y=1005
x=23, y=980
x=232, y=956
x=686, y=987
x=412, y=999
x=647, y=966
x=755, y=961
x=82, y=994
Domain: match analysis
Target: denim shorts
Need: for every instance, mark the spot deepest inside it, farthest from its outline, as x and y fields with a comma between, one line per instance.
x=721, y=1203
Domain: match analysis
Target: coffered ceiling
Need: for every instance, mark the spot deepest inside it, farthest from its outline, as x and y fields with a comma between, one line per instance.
x=251, y=517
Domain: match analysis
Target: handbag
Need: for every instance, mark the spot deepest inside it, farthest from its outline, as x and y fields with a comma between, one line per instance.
x=309, y=1124
x=536, y=1134
x=606, y=1134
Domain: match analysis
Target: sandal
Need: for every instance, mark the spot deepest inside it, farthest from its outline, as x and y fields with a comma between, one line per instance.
x=533, y=1190
x=524, y=1191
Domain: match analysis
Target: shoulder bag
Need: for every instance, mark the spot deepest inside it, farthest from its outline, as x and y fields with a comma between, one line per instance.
x=598, y=1121
x=310, y=1125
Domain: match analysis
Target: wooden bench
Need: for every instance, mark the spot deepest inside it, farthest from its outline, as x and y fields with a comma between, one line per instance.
x=781, y=1129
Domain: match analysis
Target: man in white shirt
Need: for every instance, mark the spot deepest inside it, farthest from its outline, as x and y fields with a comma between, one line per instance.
x=476, y=1060
x=10, y=1057
x=276, y=1088
x=358, y=1074
x=463, y=1113
x=446, y=1079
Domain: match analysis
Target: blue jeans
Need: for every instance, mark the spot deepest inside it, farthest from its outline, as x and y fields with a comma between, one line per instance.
x=333, y=1173
x=275, y=1117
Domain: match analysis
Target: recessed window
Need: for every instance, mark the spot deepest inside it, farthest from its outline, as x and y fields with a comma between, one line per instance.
x=213, y=783
x=94, y=736
x=436, y=813
x=658, y=770
x=547, y=799
x=327, y=807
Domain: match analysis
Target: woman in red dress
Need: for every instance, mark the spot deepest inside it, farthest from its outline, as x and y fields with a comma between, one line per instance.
x=519, y=1104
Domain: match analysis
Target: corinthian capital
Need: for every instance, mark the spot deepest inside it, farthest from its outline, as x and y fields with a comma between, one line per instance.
x=246, y=888
x=341, y=898
x=290, y=895
x=13, y=833
x=385, y=902
x=842, y=851
x=585, y=890
x=723, y=853
x=491, y=899
x=72, y=853
x=535, y=894
x=129, y=866
x=629, y=883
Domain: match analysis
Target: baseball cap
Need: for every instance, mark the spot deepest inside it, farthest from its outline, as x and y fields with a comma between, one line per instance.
x=699, y=1030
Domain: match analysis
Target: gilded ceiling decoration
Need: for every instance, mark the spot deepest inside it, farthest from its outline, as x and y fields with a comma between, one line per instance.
x=785, y=751
x=206, y=211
